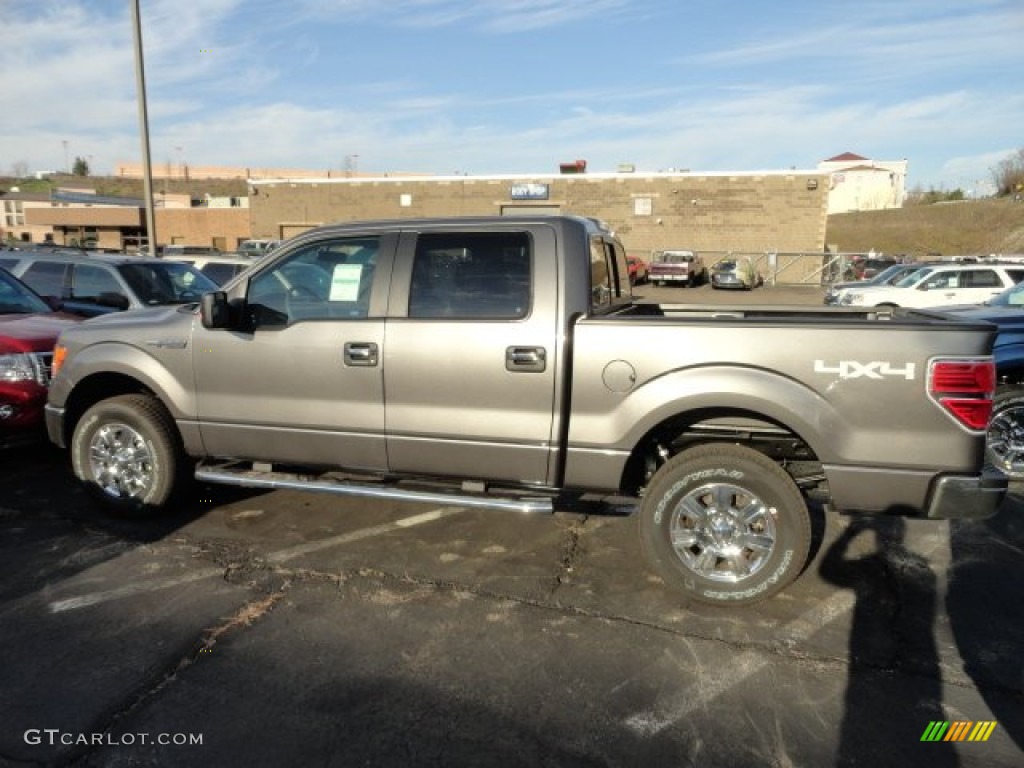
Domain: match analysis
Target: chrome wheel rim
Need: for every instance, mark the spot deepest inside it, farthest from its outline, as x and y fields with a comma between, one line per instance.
x=1005, y=440
x=120, y=461
x=723, y=532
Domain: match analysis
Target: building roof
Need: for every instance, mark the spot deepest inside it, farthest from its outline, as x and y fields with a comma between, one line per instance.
x=86, y=198
x=846, y=157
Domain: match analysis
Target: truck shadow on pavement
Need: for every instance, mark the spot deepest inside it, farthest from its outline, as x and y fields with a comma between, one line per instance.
x=891, y=635
x=51, y=530
x=986, y=580
x=896, y=687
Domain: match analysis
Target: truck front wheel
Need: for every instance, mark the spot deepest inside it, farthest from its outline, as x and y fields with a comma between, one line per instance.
x=127, y=452
x=725, y=525
x=1004, y=443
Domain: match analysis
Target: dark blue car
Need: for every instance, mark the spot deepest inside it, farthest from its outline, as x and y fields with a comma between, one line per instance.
x=1005, y=444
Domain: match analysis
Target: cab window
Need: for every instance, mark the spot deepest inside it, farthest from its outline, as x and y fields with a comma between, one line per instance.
x=471, y=275
x=325, y=280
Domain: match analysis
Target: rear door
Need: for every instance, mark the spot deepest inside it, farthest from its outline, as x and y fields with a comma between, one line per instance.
x=472, y=353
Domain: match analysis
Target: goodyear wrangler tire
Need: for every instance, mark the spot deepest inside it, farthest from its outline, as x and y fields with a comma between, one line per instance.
x=725, y=525
x=127, y=452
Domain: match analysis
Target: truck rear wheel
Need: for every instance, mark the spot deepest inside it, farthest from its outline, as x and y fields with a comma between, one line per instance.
x=725, y=525
x=1004, y=443
x=127, y=452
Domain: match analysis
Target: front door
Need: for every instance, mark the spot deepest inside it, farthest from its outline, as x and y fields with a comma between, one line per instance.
x=306, y=384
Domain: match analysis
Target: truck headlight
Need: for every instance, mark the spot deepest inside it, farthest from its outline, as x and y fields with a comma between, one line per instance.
x=17, y=366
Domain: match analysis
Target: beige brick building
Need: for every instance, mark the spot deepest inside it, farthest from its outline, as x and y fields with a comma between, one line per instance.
x=771, y=212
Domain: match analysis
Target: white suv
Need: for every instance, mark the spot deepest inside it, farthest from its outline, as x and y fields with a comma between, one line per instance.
x=939, y=285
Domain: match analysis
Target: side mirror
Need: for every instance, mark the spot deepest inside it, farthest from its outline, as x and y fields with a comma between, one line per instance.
x=112, y=299
x=214, y=310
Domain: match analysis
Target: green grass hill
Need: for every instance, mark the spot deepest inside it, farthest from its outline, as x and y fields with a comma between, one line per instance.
x=968, y=228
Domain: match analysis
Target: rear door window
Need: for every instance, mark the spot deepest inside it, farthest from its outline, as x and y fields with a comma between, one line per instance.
x=47, y=278
x=89, y=281
x=471, y=275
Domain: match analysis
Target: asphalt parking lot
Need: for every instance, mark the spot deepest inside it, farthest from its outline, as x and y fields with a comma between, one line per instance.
x=282, y=628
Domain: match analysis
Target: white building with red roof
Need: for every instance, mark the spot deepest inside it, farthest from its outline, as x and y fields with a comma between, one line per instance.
x=859, y=184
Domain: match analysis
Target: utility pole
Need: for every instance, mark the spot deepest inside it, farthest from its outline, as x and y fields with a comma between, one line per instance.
x=147, y=168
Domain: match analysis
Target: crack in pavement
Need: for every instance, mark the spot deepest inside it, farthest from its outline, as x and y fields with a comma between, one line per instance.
x=572, y=551
x=244, y=617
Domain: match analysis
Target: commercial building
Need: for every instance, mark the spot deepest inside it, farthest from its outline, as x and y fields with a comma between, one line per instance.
x=859, y=184
x=773, y=211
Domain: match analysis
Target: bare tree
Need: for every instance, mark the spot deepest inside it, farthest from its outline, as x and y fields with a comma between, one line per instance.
x=1008, y=174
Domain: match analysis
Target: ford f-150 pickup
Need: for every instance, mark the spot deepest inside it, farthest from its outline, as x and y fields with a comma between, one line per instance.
x=506, y=358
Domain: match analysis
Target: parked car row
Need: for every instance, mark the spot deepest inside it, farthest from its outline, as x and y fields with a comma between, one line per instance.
x=687, y=268
x=29, y=327
x=888, y=276
x=97, y=284
x=936, y=285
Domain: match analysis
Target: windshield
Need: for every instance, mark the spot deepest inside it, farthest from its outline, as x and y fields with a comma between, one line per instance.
x=16, y=298
x=889, y=273
x=166, y=282
x=669, y=257
x=913, y=278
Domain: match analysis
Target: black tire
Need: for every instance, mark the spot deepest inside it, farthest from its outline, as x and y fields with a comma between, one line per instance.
x=1004, y=441
x=694, y=535
x=127, y=452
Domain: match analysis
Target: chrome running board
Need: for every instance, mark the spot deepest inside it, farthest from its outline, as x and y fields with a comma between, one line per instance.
x=258, y=478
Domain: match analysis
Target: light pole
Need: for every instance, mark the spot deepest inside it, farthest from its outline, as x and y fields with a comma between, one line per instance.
x=147, y=169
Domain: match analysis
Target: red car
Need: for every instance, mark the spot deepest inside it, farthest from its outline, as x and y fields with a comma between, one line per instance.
x=637, y=270
x=29, y=327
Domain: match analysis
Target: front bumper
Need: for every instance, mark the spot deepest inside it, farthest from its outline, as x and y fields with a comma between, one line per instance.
x=55, y=424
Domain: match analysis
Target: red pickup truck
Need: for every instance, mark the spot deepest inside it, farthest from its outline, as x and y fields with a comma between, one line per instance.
x=678, y=268
x=29, y=327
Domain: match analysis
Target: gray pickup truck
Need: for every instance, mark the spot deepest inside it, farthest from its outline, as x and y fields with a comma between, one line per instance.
x=501, y=362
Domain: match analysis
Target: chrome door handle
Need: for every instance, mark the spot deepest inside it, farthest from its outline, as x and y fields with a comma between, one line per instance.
x=359, y=353
x=526, y=359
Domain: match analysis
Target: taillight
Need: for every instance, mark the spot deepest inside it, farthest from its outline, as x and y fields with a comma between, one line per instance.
x=964, y=388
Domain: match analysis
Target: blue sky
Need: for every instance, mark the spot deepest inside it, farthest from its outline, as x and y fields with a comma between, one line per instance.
x=518, y=86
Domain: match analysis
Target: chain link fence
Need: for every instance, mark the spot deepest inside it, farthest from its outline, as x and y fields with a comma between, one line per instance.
x=783, y=268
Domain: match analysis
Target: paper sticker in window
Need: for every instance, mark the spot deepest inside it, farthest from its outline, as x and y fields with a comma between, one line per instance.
x=345, y=282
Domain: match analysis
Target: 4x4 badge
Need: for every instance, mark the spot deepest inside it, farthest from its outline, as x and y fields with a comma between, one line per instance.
x=877, y=369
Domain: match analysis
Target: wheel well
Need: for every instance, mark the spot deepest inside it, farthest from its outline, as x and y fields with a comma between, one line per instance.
x=767, y=436
x=91, y=390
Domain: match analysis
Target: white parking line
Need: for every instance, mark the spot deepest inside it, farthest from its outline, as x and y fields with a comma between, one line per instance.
x=406, y=522
x=742, y=667
x=749, y=663
x=139, y=588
